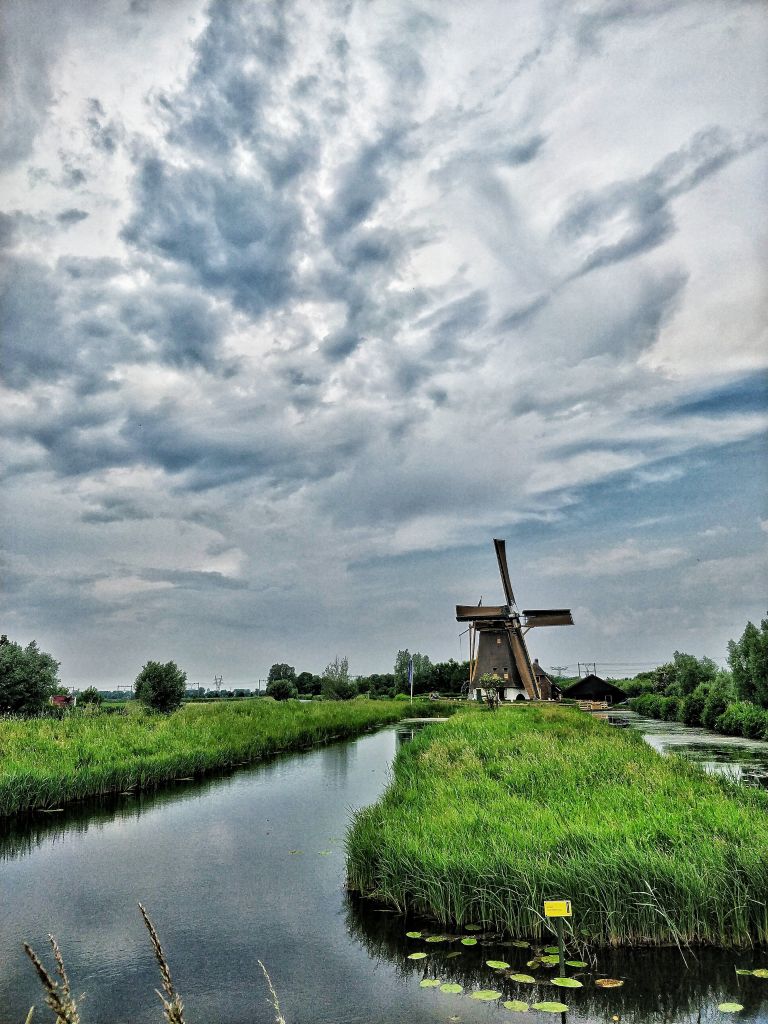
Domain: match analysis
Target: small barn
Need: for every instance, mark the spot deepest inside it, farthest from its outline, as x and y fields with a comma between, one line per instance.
x=63, y=700
x=548, y=688
x=594, y=688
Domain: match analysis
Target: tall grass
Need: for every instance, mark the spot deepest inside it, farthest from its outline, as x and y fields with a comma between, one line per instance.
x=491, y=814
x=45, y=762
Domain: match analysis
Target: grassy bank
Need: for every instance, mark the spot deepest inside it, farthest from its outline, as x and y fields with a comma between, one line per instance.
x=490, y=814
x=48, y=762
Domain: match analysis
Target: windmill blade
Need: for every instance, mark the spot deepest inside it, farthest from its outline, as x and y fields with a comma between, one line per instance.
x=501, y=556
x=548, y=617
x=475, y=612
x=523, y=662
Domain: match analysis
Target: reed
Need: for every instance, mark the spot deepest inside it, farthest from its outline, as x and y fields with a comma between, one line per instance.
x=47, y=762
x=491, y=814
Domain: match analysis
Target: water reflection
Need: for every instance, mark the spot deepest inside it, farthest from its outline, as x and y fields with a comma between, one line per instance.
x=733, y=756
x=658, y=986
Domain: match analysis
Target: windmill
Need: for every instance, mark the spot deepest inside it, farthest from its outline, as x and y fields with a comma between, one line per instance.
x=497, y=636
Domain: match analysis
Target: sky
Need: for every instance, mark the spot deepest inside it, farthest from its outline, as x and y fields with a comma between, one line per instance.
x=305, y=302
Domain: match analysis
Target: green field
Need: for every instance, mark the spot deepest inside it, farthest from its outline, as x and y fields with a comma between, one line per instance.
x=46, y=762
x=490, y=814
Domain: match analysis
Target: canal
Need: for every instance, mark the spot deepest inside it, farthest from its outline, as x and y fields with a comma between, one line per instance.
x=251, y=867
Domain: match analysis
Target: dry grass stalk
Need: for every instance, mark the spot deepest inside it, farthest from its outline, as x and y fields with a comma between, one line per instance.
x=57, y=993
x=173, y=1007
x=29, y=1015
x=279, y=1018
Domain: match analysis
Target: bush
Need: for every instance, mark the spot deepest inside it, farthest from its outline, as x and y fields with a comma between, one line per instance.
x=692, y=706
x=28, y=678
x=714, y=706
x=401, y=696
x=669, y=708
x=90, y=696
x=648, y=704
x=161, y=687
x=743, y=719
x=282, y=689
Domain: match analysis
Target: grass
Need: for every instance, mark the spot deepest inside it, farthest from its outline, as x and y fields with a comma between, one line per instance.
x=490, y=814
x=47, y=762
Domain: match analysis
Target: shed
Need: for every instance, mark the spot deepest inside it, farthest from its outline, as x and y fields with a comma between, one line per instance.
x=594, y=688
x=548, y=688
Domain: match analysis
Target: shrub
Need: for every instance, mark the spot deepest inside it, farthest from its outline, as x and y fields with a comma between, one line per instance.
x=714, y=706
x=28, y=677
x=669, y=708
x=90, y=696
x=692, y=706
x=743, y=719
x=648, y=704
x=282, y=689
x=160, y=687
x=401, y=696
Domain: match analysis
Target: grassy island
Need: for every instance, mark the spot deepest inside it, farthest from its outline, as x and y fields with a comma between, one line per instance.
x=489, y=814
x=46, y=762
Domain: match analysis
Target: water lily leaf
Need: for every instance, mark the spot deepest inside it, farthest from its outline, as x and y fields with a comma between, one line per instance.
x=429, y=983
x=416, y=956
x=566, y=982
x=550, y=1007
x=469, y=942
x=451, y=987
x=456, y=952
x=413, y=935
x=436, y=938
x=576, y=963
x=730, y=1007
x=742, y=970
x=551, y=949
x=515, y=1004
x=550, y=959
x=608, y=983
x=534, y=963
x=473, y=928
x=761, y=972
x=486, y=994
x=498, y=965
x=520, y=944
x=524, y=979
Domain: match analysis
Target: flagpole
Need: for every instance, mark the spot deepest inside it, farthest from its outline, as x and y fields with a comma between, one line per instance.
x=410, y=676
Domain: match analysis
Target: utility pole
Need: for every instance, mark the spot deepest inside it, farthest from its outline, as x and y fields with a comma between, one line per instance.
x=589, y=667
x=217, y=684
x=558, y=669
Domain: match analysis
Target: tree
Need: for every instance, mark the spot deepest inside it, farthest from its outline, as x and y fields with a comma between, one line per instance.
x=336, y=684
x=282, y=671
x=307, y=683
x=28, y=678
x=90, y=696
x=282, y=689
x=748, y=658
x=401, y=670
x=160, y=687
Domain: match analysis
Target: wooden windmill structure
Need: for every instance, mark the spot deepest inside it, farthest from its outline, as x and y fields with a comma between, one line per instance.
x=497, y=637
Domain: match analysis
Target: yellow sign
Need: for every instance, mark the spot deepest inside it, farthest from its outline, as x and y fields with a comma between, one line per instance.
x=557, y=908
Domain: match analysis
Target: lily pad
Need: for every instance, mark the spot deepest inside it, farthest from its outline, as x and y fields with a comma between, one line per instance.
x=473, y=928
x=450, y=956
x=550, y=1007
x=742, y=970
x=730, y=1007
x=429, y=983
x=469, y=942
x=413, y=935
x=498, y=965
x=520, y=945
x=550, y=959
x=417, y=956
x=516, y=1005
x=436, y=938
x=534, y=963
x=761, y=972
x=609, y=983
x=551, y=949
x=566, y=982
x=486, y=994
x=524, y=979
x=576, y=963
x=452, y=988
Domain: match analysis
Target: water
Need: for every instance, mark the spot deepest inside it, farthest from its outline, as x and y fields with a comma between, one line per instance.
x=251, y=867
x=742, y=760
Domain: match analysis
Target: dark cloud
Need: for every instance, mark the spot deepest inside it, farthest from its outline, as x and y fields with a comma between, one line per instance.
x=745, y=395
x=115, y=509
x=33, y=346
x=642, y=205
x=71, y=216
x=103, y=133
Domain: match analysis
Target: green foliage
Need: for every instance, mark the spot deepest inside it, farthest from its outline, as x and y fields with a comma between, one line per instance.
x=692, y=707
x=307, y=683
x=549, y=801
x=336, y=684
x=748, y=658
x=282, y=689
x=743, y=718
x=281, y=671
x=160, y=686
x=90, y=696
x=49, y=761
x=28, y=678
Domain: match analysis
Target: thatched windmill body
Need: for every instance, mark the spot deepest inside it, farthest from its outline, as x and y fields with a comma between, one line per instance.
x=497, y=638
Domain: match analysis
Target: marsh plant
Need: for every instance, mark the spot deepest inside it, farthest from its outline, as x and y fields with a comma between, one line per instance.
x=58, y=990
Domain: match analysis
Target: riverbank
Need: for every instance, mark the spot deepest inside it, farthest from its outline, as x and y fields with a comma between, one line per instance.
x=712, y=711
x=47, y=762
x=494, y=813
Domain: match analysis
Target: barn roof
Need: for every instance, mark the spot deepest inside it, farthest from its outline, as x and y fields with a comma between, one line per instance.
x=594, y=684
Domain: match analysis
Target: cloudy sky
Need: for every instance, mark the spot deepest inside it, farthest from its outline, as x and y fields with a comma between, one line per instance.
x=305, y=302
